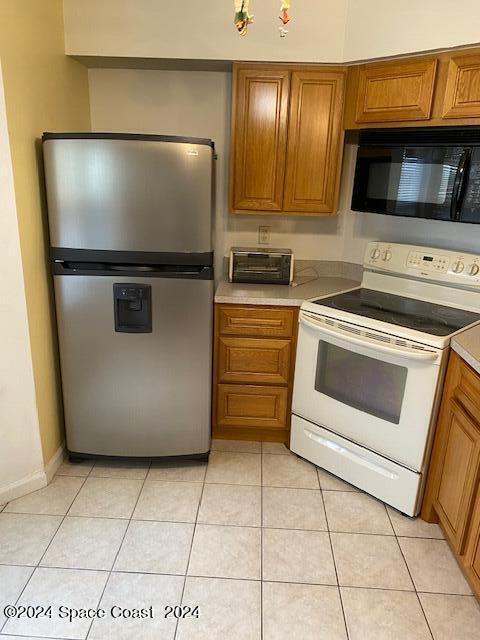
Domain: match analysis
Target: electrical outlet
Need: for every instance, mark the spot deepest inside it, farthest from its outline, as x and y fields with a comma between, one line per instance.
x=263, y=235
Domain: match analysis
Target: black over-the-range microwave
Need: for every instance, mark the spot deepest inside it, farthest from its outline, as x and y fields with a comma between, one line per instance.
x=429, y=172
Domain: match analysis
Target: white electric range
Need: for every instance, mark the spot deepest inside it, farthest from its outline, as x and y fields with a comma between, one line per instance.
x=370, y=367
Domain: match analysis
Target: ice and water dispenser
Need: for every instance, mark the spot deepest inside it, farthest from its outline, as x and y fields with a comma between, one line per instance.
x=132, y=308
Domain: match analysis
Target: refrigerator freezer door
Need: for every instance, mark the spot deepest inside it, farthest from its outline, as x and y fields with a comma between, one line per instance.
x=136, y=393
x=133, y=194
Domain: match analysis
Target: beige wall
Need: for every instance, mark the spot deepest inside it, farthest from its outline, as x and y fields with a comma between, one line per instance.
x=198, y=104
x=188, y=103
x=327, y=31
x=194, y=103
x=203, y=30
x=44, y=90
x=21, y=463
x=376, y=28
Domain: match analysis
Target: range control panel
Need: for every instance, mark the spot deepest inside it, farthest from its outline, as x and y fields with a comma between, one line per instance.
x=443, y=265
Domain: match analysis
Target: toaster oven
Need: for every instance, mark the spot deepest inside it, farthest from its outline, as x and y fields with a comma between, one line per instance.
x=261, y=266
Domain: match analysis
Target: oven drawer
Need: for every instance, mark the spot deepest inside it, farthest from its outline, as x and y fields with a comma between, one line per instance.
x=254, y=360
x=251, y=406
x=374, y=474
x=255, y=321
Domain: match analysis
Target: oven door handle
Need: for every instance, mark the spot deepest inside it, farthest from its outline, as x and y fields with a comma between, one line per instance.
x=393, y=350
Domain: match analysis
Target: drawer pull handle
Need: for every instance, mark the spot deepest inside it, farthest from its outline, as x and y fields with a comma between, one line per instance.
x=255, y=322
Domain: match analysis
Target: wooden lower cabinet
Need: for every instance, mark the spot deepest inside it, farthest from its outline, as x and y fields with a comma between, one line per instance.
x=252, y=361
x=460, y=464
x=452, y=495
x=240, y=406
x=472, y=555
x=254, y=357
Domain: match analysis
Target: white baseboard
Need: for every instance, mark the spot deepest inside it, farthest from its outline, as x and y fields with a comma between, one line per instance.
x=34, y=481
x=55, y=461
x=23, y=486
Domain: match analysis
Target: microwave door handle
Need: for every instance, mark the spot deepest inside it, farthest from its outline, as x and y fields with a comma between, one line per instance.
x=458, y=184
x=393, y=350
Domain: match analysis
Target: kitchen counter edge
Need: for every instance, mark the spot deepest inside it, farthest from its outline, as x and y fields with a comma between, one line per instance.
x=467, y=345
x=332, y=277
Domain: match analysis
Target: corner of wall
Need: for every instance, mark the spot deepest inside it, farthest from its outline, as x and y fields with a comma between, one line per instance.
x=44, y=90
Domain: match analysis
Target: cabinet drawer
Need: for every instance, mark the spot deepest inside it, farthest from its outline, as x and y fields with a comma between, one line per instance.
x=254, y=360
x=252, y=321
x=460, y=465
x=251, y=406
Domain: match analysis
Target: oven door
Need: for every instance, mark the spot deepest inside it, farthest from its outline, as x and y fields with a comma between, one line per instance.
x=377, y=394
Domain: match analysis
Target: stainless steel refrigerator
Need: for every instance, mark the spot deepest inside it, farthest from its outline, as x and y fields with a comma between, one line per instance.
x=131, y=239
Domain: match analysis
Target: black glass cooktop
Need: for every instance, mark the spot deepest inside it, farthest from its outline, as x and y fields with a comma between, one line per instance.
x=403, y=312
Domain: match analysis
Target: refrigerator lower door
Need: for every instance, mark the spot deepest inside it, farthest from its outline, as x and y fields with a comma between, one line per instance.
x=136, y=364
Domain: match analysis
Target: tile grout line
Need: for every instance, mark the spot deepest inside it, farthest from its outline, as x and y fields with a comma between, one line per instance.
x=37, y=565
x=261, y=542
x=185, y=575
x=191, y=547
x=333, y=555
x=276, y=580
x=121, y=543
x=411, y=577
x=15, y=635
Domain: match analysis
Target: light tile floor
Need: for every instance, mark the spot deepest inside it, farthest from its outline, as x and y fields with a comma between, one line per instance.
x=265, y=544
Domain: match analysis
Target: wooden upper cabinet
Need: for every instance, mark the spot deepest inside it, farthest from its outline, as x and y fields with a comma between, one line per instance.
x=259, y=138
x=287, y=139
x=395, y=91
x=462, y=94
x=315, y=142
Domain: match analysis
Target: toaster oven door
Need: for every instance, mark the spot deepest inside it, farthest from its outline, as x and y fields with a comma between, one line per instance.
x=260, y=268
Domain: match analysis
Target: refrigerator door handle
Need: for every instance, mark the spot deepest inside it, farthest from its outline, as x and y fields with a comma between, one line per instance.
x=67, y=267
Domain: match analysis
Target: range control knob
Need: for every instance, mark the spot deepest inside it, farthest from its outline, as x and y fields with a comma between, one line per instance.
x=458, y=267
x=375, y=254
x=473, y=269
x=387, y=255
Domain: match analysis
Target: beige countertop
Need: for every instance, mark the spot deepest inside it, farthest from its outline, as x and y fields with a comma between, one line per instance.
x=467, y=345
x=315, y=279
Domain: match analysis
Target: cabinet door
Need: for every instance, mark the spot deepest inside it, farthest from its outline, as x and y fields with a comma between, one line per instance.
x=460, y=468
x=396, y=92
x=462, y=95
x=471, y=561
x=315, y=142
x=259, y=138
